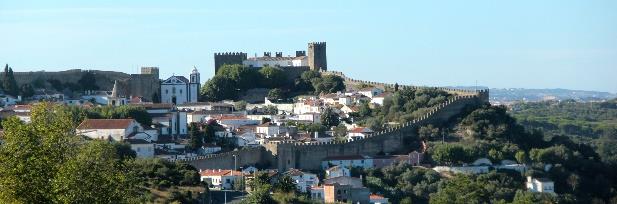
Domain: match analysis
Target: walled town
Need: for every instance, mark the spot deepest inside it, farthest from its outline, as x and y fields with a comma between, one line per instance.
x=285, y=127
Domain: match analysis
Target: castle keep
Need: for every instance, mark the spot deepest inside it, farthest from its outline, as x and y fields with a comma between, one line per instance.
x=293, y=65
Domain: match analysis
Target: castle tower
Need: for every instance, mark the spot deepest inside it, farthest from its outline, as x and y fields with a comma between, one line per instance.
x=221, y=59
x=317, y=56
x=194, y=85
x=150, y=70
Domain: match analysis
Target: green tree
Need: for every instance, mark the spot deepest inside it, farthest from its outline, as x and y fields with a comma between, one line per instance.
x=26, y=91
x=241, y=77
x=340, y=132
x=275, y=94
x=94, y=175
x=286, y=184
x=88, y=82
x=428, y=132
x=272, y=77
x=461, y=189
x=219, y=88
x=328, y=84
x=9, y=84
x=195, y=137
x=40, y=160
x=329, y=118
x=521, y=157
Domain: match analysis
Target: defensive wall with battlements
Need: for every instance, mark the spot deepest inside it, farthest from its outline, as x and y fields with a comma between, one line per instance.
x=398, y=139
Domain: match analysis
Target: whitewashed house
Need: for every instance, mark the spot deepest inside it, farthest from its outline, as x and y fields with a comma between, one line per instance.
x=542, y=185
x=358, y=133
x=350, y=161
x=337, y=171
x=142, y=148
x=303, y=180
x=370, y=91
x=220, y=179
x=106, y=129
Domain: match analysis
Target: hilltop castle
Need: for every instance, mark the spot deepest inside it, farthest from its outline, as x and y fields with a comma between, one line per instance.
x=315, y=60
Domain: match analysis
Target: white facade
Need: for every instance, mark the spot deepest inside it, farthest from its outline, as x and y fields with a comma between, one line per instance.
x=304, y=181
x=337, y=171
x=145, y=150
x=370, y=92
x=267, y=129
x=117, y=132
x=348, y=161
x=220, y=179
x=180, y=90
x=275, y=61
x=541, y=185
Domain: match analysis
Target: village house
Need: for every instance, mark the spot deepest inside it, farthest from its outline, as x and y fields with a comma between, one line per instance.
x=378, y=99
x=109, y=129
x=142, y=148
x=303, y=180
x=542, y=185
x=370, y=91
x=345, y=189
x=220, y=179
x=337, y=171
x=360, y=161
x=268, y=129
x=358, y=133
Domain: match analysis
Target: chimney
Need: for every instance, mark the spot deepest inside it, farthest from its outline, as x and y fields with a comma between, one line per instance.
x=219, y=170
x=316, y=134
x=529, y=179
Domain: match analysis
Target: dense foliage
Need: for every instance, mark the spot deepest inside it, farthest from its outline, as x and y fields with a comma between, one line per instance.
x=403, y=106
x=109, y=112
x=581, y=172
x=44, y=162
x=283, y=191
x=582, y=119
x=232, y=80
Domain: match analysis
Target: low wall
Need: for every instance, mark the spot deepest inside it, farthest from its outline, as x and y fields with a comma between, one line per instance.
x=243, y=157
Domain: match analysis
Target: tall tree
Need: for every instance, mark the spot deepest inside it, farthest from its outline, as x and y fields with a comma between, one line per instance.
x=87, y=82
x=9, y=84
x=195, y=137
x=329, y=118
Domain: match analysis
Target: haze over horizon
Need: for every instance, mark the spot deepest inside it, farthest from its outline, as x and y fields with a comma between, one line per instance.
x=522, y=44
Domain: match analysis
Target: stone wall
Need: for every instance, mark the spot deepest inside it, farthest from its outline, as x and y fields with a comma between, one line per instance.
x=390, y=141
x=399, y=139
x=243, y=157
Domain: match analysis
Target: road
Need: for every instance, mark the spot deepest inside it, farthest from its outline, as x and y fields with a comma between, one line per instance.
x=233, y=197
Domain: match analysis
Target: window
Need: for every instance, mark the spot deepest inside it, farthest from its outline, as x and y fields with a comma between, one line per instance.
x=166, y=91
x=138, y=149
x=180, y=91
x=173, y=89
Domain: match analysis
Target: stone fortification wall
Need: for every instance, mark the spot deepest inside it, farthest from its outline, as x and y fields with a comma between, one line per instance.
x=390, y=141
x=104, y=79
x=243, y=157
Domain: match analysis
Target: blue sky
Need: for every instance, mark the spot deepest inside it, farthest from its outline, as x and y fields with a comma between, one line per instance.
x=500, y=44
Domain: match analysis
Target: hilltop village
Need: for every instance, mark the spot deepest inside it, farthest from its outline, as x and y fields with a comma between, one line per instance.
x=263, y=122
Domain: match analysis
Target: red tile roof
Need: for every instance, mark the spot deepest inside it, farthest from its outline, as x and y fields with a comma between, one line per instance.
x=375, y=196
x=232, y=117
x=105, y=124
x=219, y=172
x=361, y=130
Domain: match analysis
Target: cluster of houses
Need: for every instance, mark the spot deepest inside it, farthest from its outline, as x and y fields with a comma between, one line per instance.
x=337, y=186
x=166, y=137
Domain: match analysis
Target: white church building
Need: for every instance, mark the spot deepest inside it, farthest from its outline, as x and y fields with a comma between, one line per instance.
x=179, y=90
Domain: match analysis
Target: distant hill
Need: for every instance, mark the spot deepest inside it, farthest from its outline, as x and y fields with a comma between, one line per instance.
x=519, y=94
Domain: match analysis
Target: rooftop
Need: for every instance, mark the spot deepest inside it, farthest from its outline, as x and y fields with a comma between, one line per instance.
x=219, y=172
x=105, y=124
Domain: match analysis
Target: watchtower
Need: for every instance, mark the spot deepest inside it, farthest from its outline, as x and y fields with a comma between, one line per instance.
x=317, y=56
x=221, y=59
